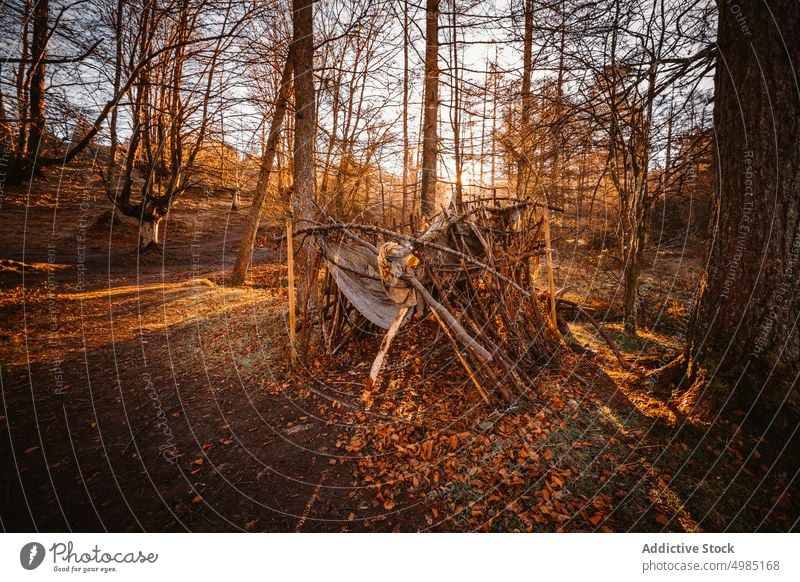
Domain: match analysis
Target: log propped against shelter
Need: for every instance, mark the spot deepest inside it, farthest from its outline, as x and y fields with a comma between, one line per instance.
x=474, y=273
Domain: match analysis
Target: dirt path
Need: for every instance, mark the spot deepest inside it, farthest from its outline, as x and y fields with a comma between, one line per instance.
x=151, y=399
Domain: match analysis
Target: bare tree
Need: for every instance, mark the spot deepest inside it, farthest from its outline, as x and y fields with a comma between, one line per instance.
x=430, y=146
x=25, y=132
x=239, y=272
x=171, y=97
x=408, y=199
x=302, y=56
x=629, y=106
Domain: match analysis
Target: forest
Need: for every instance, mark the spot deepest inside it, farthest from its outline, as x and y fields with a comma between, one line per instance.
x=399, y=265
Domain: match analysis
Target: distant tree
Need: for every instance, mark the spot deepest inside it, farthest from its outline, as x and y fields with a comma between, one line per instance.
x=172, y=96
x=239, y=273
x=629, y=104
x=33, y=73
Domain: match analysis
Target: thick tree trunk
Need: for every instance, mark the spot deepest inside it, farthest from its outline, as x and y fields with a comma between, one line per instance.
x=744, y=339
x=430, y=149
x=302, y=52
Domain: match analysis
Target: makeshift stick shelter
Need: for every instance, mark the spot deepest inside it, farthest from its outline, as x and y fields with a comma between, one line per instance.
x=474, y=273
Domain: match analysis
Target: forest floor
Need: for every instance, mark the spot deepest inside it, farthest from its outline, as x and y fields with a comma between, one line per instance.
x=141, y=393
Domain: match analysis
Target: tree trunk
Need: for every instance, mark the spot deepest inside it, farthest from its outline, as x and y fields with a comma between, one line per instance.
x=523, y=162
x=743, y=336
x=430, y=149
x=148, y=235
x=21, y=147
x=254, y=215
x=633, y=257
x=118, y=66
x=407, y=201
x=38, y=52
x=305, y=124
x=455, y=99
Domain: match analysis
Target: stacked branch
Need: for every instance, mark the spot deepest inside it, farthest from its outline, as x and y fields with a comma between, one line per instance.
x=472, y=273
